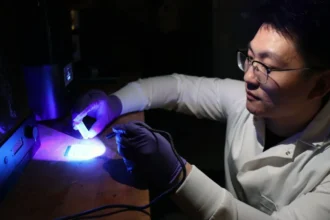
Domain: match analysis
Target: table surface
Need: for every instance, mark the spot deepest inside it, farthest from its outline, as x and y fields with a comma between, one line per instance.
x=52, y=186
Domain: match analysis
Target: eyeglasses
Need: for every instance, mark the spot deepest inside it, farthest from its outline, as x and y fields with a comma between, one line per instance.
x=260, y=70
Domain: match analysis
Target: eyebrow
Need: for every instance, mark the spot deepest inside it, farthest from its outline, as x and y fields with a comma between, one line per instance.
x=267, y=54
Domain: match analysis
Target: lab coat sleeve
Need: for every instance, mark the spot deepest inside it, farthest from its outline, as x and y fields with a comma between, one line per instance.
x=203, y=199
x=203, y=97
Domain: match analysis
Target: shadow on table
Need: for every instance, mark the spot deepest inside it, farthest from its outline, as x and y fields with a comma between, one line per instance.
x=117, y=170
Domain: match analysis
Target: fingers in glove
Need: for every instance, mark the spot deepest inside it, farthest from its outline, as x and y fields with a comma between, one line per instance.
x=79, y=116
x=85, y=104
x=125, y=147
x=132, y=129
x=119, y=129
x=96, y=128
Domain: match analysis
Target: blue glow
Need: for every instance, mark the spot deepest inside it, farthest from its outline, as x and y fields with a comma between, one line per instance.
x=84, y=151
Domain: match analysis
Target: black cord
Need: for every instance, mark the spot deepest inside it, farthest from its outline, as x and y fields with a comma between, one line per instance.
x=125, y=207
x=112, y=213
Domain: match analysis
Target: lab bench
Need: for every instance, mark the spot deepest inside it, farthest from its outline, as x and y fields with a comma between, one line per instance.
x=54, y=184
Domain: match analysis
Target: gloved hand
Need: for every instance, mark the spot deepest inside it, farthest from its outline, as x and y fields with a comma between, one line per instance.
x=98, y=105
x=150, y=151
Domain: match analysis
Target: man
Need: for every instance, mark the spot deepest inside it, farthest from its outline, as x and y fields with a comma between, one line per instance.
x=277, y=150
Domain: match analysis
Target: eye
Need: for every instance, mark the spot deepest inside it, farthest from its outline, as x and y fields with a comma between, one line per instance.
x=249, y=56
x=256, y=68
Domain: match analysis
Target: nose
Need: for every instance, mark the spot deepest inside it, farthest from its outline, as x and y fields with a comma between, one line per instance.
x=250, y=79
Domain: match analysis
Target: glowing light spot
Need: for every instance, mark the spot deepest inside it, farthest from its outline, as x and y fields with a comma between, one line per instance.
x=84, y=151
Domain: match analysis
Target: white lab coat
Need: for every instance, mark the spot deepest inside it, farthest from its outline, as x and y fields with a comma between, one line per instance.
x=290, y=181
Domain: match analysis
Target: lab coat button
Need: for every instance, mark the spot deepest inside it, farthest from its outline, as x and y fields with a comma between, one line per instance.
x=288, y=153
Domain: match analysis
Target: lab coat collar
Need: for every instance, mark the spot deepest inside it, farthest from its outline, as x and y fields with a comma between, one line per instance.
x=318, y=130
x=312, y=137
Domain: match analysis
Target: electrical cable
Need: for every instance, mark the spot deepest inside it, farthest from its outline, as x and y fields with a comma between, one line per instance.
x=112, y=213
x=125, y=207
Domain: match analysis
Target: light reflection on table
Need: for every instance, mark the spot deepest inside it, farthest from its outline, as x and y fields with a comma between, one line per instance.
x=54, y=147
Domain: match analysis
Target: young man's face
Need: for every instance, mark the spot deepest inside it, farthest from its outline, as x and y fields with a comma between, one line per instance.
x=285, y=93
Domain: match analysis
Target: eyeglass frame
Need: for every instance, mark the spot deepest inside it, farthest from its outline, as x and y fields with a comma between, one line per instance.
x=268, y=69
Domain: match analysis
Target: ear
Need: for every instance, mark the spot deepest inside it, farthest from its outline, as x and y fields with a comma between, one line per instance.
x=321, y=87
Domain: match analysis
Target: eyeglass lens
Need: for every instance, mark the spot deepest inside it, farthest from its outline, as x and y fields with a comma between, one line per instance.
x=260, y=71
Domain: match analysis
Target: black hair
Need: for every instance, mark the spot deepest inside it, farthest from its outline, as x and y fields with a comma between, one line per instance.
x=306, y=22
